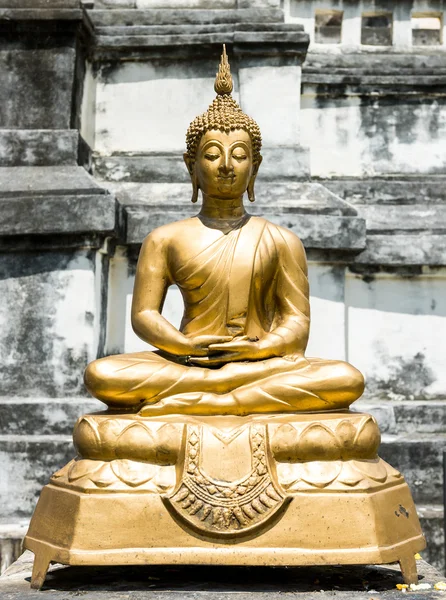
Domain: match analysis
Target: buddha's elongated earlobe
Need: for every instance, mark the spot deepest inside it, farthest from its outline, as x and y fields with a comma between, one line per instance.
x=250, y=189
x=190, y=164
x=195, y=188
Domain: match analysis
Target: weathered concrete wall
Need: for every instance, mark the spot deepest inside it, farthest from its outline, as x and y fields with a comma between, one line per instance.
x=367, y=109
x=50, y=321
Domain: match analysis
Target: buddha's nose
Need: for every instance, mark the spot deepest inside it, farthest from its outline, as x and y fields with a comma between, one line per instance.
x=226, y=166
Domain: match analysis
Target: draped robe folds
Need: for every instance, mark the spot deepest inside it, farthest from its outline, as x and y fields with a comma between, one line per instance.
x=250, y=282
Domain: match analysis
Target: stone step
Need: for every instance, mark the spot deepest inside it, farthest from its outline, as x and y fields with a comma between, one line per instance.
x=395, y=189
x=48, y=416
x=26, y=464
x=432, y=524
x=166, y=16
x=43, y=416
x=11, y=536
x=407, y=417
x=420, y=459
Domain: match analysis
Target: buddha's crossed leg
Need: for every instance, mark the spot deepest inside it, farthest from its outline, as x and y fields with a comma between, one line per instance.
x=307, y=385
x=162, y=386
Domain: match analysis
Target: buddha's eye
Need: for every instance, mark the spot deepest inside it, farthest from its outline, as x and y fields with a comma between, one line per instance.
x=240, y=157
x=209, y=156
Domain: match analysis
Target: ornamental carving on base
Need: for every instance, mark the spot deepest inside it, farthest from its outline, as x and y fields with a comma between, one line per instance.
x=226, y=508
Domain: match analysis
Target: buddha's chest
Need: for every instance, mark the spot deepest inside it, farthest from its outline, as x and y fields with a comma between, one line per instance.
x=225, y=266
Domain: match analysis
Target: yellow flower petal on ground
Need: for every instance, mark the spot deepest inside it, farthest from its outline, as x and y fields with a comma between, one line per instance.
x=440, y=586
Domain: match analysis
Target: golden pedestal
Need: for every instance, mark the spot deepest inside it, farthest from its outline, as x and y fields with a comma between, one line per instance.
x=263, y=490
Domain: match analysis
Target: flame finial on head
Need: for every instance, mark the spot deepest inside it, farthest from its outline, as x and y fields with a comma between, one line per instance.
x=224, y=114
x=223, y=81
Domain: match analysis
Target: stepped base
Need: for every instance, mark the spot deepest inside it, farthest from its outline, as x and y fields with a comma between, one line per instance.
x=227, y=492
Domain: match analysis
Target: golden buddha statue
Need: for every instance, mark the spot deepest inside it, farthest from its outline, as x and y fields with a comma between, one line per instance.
x=226, y=445
x=240, y=348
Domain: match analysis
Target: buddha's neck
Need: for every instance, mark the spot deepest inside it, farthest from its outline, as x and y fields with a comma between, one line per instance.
x=225, y=209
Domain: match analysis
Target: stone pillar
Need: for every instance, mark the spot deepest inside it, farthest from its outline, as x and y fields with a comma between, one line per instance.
x=55, y=223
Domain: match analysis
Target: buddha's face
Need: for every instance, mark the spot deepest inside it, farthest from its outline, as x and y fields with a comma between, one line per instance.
x=224, y=166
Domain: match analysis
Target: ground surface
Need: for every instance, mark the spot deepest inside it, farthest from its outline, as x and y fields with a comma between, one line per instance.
x=214, y=583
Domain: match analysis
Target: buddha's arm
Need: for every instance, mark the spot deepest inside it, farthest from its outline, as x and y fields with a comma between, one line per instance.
x=292, y=297
x=151, y=283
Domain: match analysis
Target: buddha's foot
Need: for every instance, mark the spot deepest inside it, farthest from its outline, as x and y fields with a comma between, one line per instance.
x=195, y=404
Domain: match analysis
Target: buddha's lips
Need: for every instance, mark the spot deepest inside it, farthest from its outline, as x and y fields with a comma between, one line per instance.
x=226, y=178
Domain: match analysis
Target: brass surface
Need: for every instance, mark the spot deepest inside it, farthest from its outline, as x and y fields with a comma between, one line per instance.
x=226, y=445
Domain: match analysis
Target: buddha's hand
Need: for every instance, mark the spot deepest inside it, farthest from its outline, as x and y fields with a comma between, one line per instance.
x=200, y=345
x=238, y=349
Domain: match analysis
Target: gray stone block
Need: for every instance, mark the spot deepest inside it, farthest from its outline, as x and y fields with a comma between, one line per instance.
x=164, y=16
x=62, y=214
x=37, y=14
x=432, y=524
x=26, y=464
x=421, y=248
x=26, y=99
x=407, y=417
x=390, y=190
x=38, y=147
x=419, y=458
x=393, y=218
x=43, y=416
x=40, y=4
x=52, y=305
x=36, y=181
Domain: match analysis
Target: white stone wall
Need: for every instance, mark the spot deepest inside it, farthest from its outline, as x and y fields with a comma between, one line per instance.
x=351, y=137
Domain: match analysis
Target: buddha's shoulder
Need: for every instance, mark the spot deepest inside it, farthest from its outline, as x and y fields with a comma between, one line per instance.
x=172, y=231
x=283, y=237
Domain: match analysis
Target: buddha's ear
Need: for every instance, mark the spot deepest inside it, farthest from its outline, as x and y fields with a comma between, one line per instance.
x=190, y=164
x=255, y=170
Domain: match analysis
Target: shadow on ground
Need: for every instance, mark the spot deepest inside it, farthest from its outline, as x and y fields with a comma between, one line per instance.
x=224, y=579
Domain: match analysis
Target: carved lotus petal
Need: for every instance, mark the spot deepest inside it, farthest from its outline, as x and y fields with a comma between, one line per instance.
x=168, y=440
x=63, y=471
x=320, y=473
x=109, y=431
x=288, y=474
x=137, y=443
x=391, y=471
x=133, y=473
x=86, y=439
x=284, y=443
x=346, y=433
x=349, y=476
x=83, y=468
x=318, y=442
x=104, y=476
x=373, y=468
x=367, y=439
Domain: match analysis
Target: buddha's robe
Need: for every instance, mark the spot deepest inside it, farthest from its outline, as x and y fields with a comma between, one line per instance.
x=250, y=282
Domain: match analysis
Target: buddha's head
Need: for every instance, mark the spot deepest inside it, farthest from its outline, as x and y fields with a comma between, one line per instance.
x=223, y=145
